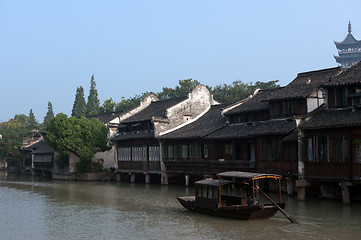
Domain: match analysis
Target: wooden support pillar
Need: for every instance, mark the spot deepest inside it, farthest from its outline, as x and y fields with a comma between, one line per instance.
x=117, y=176
x=147, y=178
x=301, y=185
x=345, y=193
x=290, y=186
x=132, y=178
x=187, y=180
x=164, y=178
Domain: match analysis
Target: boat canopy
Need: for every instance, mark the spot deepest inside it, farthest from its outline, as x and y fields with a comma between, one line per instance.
x=212, y=182
x=248, y=175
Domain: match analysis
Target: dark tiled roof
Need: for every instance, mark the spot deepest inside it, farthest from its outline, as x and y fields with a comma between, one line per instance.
x=133, y=135
x=349, y=40
x=40, y=147
x=246, y=130
x=255, y=103
x=155, y=109
x=333, y=118
x=350, y=77
x=304, y=84
x=208, y=123
x=105, y=117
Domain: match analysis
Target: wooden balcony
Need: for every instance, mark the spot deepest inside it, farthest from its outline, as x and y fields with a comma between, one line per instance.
x=139, y=166
x=197, y=167
x=326, y=170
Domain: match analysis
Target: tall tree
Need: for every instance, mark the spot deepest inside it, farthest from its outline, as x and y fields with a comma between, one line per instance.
x=79, y=105
x=49, y=115
x=92, y=106
x=32, y=123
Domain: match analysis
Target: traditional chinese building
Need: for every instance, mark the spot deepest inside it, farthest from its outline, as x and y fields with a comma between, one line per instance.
x=349, y=50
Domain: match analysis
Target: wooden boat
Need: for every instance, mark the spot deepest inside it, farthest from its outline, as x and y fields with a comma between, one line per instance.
x=234, y=194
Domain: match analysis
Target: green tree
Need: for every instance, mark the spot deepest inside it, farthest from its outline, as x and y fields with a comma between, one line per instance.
x=108, y=106
x=185, y=86
x=92, y=106
x=32, y=123
x=22, y=118
x=80, y=136
x=79, y=105
x=49, y=115
x=12, y=132
x=228, y=93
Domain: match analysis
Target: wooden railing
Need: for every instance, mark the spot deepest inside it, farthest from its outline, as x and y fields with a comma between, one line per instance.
x=139, y=165
x=328, y=170
x=187, y=166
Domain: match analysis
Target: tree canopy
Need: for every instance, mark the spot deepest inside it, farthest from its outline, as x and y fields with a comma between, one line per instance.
x=32, y=123
x=13, y=132
x=79, y=105
x=92, y=106
x=80, y=136
x=49, y=114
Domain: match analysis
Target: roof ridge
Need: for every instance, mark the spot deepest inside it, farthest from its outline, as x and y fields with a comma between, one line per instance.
x=318, y=71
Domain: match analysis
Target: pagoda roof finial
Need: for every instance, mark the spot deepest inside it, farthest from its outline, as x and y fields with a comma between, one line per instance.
x=349, y=27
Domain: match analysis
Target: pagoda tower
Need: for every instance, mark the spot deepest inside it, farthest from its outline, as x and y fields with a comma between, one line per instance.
x=349, y=50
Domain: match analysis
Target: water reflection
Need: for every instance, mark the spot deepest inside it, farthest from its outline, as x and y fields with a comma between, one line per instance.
x=108, y=210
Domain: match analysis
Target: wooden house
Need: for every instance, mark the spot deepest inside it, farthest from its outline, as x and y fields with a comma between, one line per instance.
x=41, y=157
x=330, y=136
x=138, y=150
x=185, y=151
x=253, y=141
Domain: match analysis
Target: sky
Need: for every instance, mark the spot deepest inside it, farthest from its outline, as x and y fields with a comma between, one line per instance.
x=49, y=48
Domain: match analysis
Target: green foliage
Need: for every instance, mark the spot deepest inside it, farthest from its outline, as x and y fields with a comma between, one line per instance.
x=108, y=106
x=130, y=103
x=82, y=167
x=32, y=123
x=238, y=90
x=13, y=132
x=49, y=115
x=79, y=105
x=92, y=106
x=81, y=136
x=185, y=86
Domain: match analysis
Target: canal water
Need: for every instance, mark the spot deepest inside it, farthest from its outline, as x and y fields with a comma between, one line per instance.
x=33, y=209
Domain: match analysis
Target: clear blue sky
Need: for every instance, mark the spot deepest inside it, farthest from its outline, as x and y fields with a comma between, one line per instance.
x=49, y=48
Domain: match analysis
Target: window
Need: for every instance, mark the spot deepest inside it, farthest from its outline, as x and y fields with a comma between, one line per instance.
x=228, y=149
x=184, y=151
x=286, y=107
x=322, y=149
x=154, y=153
x=293, y=106
x=137, y=153
x=277, y=108
x=205, y=150
x=124, y=154
x=170, y=151
x=310, y=152
x=198, y=151
x=178, y=151
x=164, y=151
x=191, y=151
x=340, y=98
x=270, y=149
